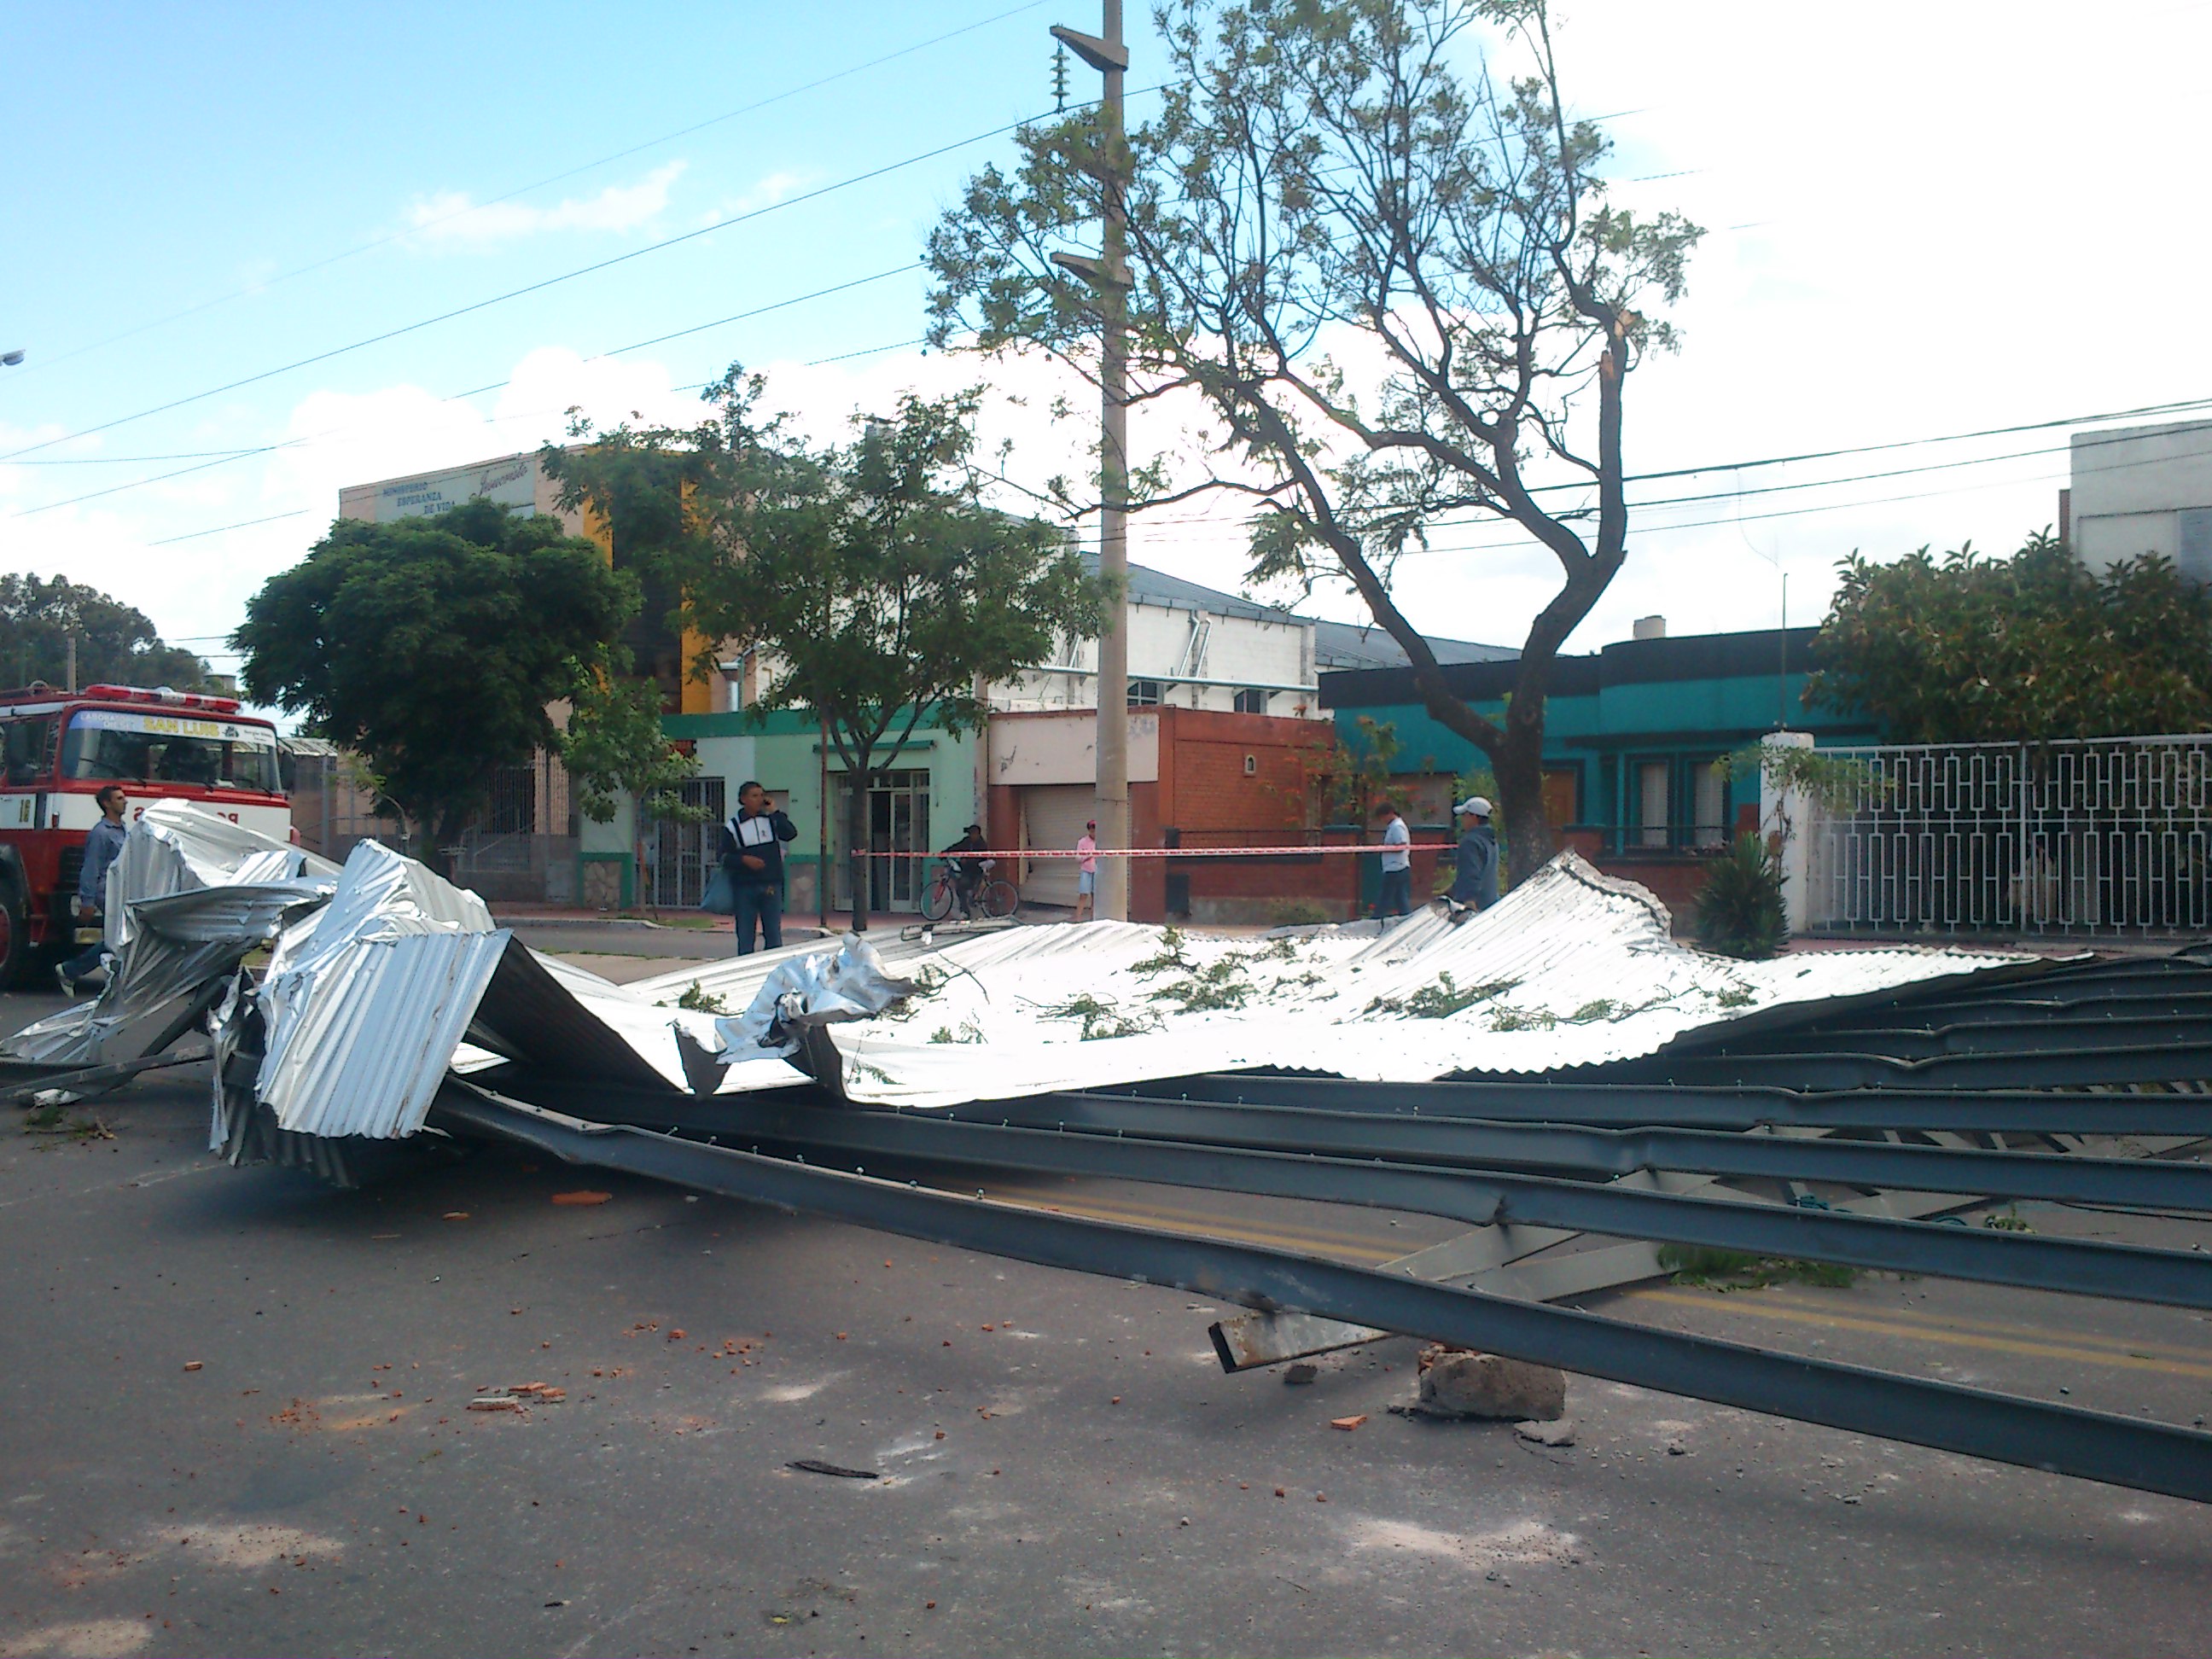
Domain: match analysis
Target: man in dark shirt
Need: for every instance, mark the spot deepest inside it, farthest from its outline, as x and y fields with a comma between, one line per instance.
x=968, y=873
x=752, y=853
x=1475, y=883
x=100, y=848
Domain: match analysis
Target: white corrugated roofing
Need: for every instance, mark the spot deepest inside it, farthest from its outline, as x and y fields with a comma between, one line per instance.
x=1571, y=968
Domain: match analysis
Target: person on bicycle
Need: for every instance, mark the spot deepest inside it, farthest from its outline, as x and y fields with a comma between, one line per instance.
x=967, y=873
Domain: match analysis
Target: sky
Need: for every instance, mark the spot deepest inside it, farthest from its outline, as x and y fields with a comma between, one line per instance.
x=256, y=253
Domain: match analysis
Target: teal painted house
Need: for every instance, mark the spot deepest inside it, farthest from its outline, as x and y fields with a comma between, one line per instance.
x=921, y=799
x=1630, y=733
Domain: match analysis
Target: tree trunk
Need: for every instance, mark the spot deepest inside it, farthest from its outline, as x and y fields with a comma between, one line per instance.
x=856, y=836
x=442, y=830
x=1518, y=765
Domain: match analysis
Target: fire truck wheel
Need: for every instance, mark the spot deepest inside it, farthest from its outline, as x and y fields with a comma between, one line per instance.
x=15, y=950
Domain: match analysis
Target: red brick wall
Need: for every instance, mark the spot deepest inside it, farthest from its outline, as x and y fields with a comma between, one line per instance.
x=1205, y=793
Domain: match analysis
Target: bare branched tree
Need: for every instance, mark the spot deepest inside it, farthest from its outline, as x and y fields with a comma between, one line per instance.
x=1393, y=278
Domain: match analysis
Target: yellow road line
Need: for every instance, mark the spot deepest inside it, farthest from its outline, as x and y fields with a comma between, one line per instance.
x=2141, y=1350
x=1320, y=1243
x=1926, y=1333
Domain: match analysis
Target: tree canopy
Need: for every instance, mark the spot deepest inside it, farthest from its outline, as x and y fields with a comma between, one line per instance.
x=1396, y=286
x=1967, y=649
x=115, y=642
x=878, y=587
x=432, y=645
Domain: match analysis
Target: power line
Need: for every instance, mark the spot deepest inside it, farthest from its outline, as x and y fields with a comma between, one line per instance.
x=871, y=351
x=224, y=457
x=194, y=535
x=120, y=460
x=532, y=287
x=524, y=190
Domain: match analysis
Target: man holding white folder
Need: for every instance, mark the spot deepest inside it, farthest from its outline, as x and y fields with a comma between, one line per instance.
x=753, y=857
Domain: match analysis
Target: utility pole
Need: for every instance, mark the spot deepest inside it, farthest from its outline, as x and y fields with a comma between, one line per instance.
x=1108, y=276
x=70, y=639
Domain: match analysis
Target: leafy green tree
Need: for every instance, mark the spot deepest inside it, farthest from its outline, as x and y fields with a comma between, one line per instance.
x=115, y=642
x=615, y=747
x=1967, y=648
x=1323, y=178
x=432, y=645
x=878, y=587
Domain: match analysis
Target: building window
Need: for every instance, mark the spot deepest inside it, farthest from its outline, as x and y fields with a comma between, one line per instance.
x=1253, y=701
x=1711, y=798
x=1651, y=782
x=1143, y=694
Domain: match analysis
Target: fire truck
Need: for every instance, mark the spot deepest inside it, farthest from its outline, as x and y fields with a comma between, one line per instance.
x=57, y=749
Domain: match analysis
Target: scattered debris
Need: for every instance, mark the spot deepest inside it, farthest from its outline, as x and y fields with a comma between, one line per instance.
x=495, y=1402
x=1458, y=1383
x=816, y=1465
x=1348, y=1424
x=1558, y=1433
x=1676, y=1449
x=1712, y=1269
x=587, y=1196
x=1300, y=1371
x=193, y=1364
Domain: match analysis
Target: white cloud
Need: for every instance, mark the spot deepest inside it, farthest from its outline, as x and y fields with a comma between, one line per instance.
x=452, y=218
x=765, y=193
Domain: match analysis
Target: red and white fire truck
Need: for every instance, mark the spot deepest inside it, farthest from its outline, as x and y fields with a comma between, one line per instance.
x=58, y=747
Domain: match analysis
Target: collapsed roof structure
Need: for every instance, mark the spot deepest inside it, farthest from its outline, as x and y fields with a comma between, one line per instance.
x=1558, y=1074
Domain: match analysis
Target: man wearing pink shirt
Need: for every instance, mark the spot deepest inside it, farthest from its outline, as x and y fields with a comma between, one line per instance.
x=1086, y=872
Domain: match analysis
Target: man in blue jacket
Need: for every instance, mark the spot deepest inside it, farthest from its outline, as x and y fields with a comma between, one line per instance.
x=100, y=848
x=752, y=853
x=1475, y=883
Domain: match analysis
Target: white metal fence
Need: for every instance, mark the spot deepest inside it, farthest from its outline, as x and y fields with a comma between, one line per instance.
x=2101, y=837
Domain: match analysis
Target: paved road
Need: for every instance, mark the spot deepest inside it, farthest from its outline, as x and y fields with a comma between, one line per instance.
x=317, y=1483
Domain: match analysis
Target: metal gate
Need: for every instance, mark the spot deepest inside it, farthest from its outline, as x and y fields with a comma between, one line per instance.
x=2106, y=837
x=683, y=854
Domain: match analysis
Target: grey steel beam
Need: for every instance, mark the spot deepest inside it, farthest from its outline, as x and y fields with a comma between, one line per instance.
x=1485, y=1197
x=2171, y=1062
x=1631, y=1105
x=2046, y=1034
x=2062, y=1178
x=2151, y=1002
x=2061, y=1439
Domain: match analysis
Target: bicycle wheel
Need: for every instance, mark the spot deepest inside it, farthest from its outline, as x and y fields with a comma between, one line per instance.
x=936, y=903
x=998, y=899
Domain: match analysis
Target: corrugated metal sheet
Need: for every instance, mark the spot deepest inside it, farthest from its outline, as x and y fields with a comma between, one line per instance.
x=174, y=846
x=1571, y=968
x=359, y=1037
x=363, y=1008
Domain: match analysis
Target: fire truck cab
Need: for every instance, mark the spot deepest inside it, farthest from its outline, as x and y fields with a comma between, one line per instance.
x=58, y=749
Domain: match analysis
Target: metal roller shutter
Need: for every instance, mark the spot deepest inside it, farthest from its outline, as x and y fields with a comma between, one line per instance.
x=1053, y=815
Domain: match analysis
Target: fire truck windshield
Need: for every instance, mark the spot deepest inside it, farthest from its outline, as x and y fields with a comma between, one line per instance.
x=131, y=747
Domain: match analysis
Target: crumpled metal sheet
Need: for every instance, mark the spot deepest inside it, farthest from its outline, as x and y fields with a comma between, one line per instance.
x=826, y=987
x=157, y=979
x=176, y=847
x=1571, y=968
x=364, y=1008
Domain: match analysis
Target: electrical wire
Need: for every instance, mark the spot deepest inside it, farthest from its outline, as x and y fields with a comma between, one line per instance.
x=193, y=536
x=532, y=287
x=225, y=458
x=524, y=190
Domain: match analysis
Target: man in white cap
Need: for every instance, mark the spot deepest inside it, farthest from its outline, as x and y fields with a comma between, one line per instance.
x=1476, y=885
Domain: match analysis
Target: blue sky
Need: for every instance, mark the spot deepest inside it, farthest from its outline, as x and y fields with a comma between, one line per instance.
x=1924, y=221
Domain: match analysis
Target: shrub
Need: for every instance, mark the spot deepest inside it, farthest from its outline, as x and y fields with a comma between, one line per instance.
x=1739, y=908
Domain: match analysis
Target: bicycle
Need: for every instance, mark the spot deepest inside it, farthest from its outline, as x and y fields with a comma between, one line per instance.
x=993, y=900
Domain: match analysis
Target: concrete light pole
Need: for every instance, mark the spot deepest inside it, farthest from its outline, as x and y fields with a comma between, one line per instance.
x=1108, y=275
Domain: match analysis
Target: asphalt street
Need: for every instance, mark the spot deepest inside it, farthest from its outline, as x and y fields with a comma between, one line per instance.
x=237, y=1421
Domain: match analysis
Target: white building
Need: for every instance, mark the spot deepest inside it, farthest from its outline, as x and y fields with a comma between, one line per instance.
x=2142, y=489
x=1194, y=647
